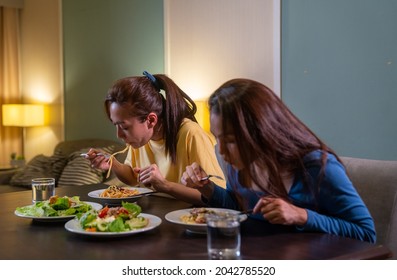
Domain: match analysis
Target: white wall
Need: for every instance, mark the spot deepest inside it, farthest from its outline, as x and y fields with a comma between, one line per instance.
x=208, y=42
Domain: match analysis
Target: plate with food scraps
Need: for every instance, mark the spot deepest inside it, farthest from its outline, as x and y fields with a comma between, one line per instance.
x=43, y=212
x=194, y=220
x=74, y=226
x=114, y=195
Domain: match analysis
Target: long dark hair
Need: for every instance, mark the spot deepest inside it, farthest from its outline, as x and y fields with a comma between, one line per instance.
x=142, y=96
x=266, y=131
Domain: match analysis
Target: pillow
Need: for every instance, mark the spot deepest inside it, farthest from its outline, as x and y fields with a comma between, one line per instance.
x=78, y=170
x=58, y=162
x=39, y=166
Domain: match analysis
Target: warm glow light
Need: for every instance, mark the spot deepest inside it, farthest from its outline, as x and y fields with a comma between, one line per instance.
x=202, y=114
x=39, y=91
x=23, y=115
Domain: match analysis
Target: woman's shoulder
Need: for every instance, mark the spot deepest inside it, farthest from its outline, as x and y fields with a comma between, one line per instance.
x=332, y=175
x=315, y=159
x=313, y=163
x=317, y=155
x=191, y=129
x=188, y=125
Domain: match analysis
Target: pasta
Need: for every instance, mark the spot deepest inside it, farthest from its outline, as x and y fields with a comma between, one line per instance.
x=114, y=191
x=111, y=160
x=196, y=216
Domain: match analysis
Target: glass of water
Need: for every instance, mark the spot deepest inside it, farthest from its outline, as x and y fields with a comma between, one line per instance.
x=42, y=189
x=223, y=236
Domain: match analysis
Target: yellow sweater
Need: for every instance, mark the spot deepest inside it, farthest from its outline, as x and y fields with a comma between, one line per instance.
x=193, y=145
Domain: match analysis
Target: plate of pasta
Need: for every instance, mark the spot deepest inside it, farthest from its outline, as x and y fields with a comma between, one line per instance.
x=194, y=219
x=115, y=195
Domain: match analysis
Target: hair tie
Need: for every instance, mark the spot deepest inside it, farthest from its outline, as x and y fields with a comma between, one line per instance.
x=153, y=80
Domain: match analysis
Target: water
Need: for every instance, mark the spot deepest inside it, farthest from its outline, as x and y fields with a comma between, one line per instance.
x=224, y=240
x=43, y=189
x=43, y=194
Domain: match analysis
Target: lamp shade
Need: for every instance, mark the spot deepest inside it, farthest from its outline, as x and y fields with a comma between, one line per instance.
x=23, y=115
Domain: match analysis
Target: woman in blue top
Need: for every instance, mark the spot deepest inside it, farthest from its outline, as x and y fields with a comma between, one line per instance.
x=278, y=167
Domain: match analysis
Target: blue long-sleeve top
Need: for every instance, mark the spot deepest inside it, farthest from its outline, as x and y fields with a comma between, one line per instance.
x=332, y=207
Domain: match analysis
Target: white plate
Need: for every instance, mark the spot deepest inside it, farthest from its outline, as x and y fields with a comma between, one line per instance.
x=94, y=205
x=75, y=227
x=175, y=217
x=117, y=201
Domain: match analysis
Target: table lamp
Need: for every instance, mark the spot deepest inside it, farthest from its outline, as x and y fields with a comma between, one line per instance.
x=23, y=115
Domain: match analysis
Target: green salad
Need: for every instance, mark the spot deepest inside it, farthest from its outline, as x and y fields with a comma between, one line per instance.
x=55, y=207
x=114, y=219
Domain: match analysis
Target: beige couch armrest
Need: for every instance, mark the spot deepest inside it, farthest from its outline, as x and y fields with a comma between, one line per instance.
x=376, y=182
x=6, y=175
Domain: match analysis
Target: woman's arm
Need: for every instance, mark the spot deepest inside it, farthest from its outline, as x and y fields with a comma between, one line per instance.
x=124, y=173
x=152, y=176
x=340, y=209
x=211, y=194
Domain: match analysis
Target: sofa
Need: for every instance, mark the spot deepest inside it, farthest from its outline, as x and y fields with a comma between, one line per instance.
x=376, y=182
x=66, y=165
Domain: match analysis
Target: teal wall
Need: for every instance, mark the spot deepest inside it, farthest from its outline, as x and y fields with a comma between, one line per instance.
x=105, y=40
x=339, y=72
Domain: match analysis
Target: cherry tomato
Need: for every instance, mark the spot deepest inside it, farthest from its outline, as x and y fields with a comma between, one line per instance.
x=103, y=212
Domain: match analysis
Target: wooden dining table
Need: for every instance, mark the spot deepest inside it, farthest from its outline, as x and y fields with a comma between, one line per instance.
x=27, y=239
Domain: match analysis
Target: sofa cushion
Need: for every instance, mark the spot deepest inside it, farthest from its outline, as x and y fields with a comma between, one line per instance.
x=39, y=166
x=66, y=165
x=78, y=170
x=70, y=146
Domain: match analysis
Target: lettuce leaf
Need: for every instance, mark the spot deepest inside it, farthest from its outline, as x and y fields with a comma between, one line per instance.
x=87, y=219
x=61, y=207
x=31, y=210
x=133, y=208
x=117, y=225
x=61, y=203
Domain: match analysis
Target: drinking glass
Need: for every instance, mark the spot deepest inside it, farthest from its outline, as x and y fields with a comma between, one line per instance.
x=42, y=189
x=223, y=236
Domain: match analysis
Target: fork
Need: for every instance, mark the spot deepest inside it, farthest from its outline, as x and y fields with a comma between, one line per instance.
x=98, y=154
x=247, y=212
x=209, y=176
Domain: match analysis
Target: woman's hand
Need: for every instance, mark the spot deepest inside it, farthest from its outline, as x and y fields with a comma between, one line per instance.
x=151, y=176
x=279, y=211
x=192, y=178
x=98, y=159
x=193, y=175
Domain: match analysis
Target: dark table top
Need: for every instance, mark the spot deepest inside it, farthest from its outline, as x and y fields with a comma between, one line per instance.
x=25, y=239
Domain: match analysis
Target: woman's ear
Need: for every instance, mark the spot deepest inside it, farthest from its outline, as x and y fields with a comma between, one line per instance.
x=152, y=120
